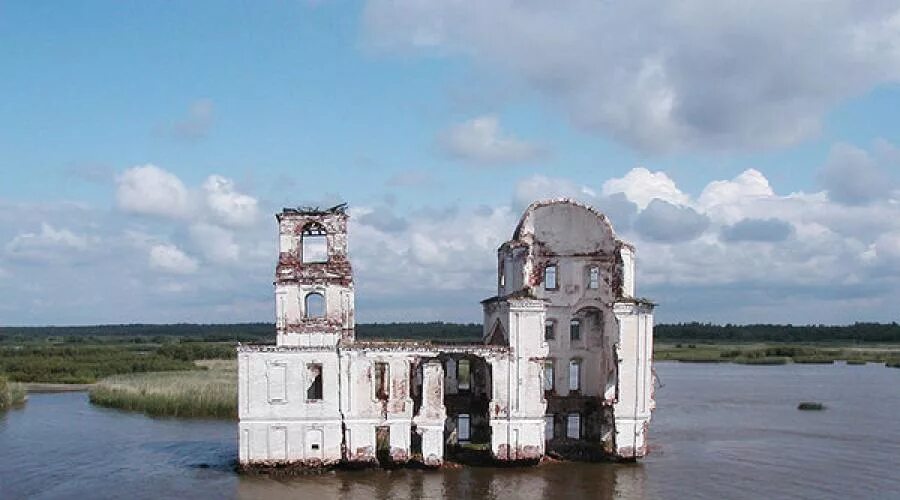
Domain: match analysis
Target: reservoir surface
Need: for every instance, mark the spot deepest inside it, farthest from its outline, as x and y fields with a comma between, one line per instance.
x=719, y=431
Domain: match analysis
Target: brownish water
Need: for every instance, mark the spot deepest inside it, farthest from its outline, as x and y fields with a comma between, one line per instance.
x=721, y=431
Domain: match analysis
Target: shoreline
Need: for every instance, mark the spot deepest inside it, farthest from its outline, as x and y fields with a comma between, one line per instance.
x=46, y=387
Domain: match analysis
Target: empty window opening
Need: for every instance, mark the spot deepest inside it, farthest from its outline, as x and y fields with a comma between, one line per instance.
x=548, y=375
x=597, y=320
x=549, y=329
x=594, y=277
x=314, y=381
x=315, y=243
x=383, y=444
x=314, y=305
x=415, y=441
x=381, y=381
x=575, y=329
x=575, y=375
x=550, y=277
x=548, y=427
x=463, y=375
x=573, y=426
x=463, y=432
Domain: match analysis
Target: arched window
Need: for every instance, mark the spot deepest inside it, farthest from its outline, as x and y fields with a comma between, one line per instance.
x=314, y=305
x=314, y=244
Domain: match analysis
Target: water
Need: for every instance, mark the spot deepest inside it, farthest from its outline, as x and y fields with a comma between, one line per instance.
x=721, y=431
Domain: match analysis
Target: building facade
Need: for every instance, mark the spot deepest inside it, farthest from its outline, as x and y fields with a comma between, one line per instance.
x=564, y=365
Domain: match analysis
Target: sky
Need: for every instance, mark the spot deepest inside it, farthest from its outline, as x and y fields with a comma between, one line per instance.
x=749, y=150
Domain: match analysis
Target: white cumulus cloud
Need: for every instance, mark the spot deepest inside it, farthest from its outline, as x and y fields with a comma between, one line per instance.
x=642, y=186
x=664, y=76
x=150, y=190
x=169, y=258
x=231, y=207
x=50, y=244
x=217, y=243
x=481, y=141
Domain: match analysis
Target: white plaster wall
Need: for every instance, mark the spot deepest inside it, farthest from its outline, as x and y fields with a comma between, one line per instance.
x=517, y=402
x=627, y=255
x=594, y=347
x=635, y=378
x=363, y=411
x=290, y=311
x=432, y=415
x=276, y=416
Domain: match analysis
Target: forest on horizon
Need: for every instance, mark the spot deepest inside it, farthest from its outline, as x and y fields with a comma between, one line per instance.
x=424, y=331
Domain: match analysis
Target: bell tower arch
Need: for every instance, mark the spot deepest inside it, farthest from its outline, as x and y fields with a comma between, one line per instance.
x=314, y=301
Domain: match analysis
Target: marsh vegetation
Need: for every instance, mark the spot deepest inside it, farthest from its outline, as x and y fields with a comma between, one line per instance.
x=208, y=392
x=11, y=394
x=154, y=369
x=775, y=354
x=66, y=363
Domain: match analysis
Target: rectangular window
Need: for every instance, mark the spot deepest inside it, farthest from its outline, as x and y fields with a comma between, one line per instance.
x=594, y=277
x=575, y=375
x=463, y=433
x=575, y=329
x=548, y=375
x=550, y=277
x=314, y=382
x=548, y=427
x=381, y=381
x=463, y=375
x=549, y=329
x=276, y=374
x=573, y=426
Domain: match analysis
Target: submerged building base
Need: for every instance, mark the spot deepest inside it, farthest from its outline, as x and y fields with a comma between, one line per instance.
x=564, y=365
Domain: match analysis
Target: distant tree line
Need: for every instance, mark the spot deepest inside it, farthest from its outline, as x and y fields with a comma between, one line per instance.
x=265, y=332
x=857, y=332
x=158, y=333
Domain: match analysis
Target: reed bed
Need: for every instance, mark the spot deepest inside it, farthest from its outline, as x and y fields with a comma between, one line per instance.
x=762, y=354
x=207, y=393
x=11, y=394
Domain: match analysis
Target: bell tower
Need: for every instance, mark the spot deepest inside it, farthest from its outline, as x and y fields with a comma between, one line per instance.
x=313, y=280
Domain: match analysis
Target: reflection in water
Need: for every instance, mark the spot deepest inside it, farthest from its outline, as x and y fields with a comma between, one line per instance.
x=725, y=431
x=547, y=482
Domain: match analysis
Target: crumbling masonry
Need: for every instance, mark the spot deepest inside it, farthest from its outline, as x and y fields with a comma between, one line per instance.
x=564, y=365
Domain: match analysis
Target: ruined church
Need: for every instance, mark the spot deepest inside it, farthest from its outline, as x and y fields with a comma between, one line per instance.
x=563, y=367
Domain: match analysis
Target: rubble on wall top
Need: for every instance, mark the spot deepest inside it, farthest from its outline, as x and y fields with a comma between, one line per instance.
x=637, y=300
x=426, y=346
x=412, y=347
x=339, y=209
x=276, y=348
x=523, y=294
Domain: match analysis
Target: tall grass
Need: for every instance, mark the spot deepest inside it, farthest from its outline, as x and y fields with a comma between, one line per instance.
x=209, y=393
x=84, y=364
x=11, y=394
